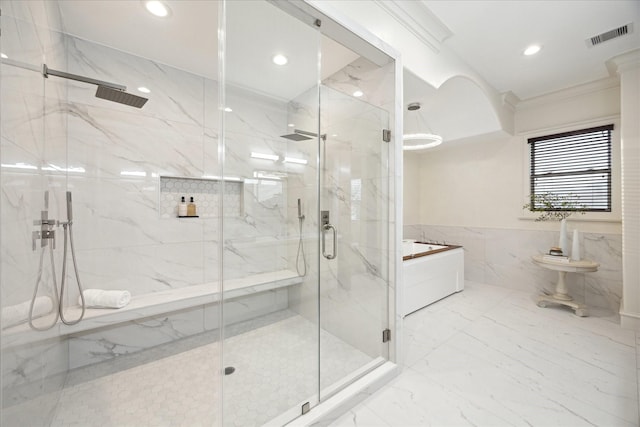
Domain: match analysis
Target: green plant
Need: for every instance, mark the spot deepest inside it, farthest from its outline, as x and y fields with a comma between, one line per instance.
x=554, y=206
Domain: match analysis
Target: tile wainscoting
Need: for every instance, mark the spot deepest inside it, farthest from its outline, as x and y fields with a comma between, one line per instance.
x=502, y=257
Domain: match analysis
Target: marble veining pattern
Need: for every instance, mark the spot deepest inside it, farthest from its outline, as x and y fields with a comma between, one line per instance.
x=489, y=356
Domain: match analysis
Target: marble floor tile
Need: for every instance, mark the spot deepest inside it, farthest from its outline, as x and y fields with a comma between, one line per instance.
x=488, y=356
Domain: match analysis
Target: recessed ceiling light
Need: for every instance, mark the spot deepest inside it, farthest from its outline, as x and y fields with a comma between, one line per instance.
x=228, y=110
x=279, y=59
x=3, y=56
x=532, y=50
x=291, y=125
x=144, y=89
x=358, y=93
x=157, y=8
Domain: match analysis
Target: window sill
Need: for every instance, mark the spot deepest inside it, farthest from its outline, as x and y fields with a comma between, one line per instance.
x=577, y=219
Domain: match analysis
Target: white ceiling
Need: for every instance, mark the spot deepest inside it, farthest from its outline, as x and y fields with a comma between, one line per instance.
x=491, y=36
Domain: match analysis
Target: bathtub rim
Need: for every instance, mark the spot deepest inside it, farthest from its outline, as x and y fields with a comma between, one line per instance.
x=427, y=253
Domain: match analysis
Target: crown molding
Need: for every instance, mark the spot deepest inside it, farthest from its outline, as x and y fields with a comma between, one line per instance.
x=419, y=20
x=626, y=61
x=510, y=100
x=571, y=92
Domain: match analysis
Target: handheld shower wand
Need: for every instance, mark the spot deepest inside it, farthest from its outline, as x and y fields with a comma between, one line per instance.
x=68, y=227
x=69, y=208
x=300, y=216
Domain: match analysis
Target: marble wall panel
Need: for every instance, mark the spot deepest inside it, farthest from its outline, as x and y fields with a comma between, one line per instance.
x=44, y=15
x=176, y=95
x=28, y=44
x=604, y=287
x=376, y=82
x=141, y=269
x=245, y=308
x=130, y=337
x=22, y=200
x=246, y=258
x=32, y=379
x=114, y=144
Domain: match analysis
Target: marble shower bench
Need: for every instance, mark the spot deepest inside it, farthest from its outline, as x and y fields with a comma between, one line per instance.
x=160, y=317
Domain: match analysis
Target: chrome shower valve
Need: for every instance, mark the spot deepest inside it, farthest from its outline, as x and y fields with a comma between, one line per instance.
x=46, y=231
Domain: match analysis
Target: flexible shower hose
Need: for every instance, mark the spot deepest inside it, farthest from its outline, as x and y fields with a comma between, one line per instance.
x=35, y=291
x=64, y=275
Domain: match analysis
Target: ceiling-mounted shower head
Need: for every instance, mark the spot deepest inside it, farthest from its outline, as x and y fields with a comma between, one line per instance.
x=120, y=96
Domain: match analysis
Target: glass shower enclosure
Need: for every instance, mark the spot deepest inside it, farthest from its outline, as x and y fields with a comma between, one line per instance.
x=273, y=294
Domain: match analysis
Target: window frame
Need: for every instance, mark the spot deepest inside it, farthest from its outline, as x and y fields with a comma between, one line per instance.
x=571, y=168
x=615, y=216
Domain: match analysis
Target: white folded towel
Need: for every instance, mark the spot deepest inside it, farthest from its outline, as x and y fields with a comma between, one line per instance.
x=19, y=313
x=98, y=298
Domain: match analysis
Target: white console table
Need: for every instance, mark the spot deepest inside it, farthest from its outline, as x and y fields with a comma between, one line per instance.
x=561, y=294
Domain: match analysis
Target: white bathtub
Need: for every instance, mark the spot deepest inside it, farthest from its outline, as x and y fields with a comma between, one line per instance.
x=411, y=248
x=430, y=273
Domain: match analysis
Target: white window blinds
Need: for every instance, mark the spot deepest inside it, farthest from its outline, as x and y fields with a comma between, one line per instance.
x=574, y=164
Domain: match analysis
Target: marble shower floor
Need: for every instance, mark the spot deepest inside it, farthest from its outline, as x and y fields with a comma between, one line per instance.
x=175, y=385
x=489, y=356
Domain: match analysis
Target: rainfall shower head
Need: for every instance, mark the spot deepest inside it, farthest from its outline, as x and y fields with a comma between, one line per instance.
x=302, y=135
x=295, y=137
x=117, y=95
x=108, y=91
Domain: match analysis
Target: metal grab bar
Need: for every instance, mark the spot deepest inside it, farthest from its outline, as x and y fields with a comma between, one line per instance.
x=335, y=240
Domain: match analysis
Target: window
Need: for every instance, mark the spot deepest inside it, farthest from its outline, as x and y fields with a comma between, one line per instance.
x=573, y=165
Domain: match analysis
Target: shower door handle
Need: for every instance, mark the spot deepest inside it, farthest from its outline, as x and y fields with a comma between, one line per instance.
x=325, y=228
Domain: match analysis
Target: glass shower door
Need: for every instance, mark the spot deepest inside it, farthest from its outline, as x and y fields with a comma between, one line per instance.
x=270, y=309
x=354, y=232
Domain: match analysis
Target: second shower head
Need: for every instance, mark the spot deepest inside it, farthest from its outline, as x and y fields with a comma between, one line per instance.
x=302, y=135
x=120, y=96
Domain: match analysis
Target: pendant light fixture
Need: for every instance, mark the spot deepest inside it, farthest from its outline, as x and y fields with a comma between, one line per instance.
x=422, y=137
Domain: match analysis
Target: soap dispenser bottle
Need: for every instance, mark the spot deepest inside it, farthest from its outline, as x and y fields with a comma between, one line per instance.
x=182, y=207
x=191, y=208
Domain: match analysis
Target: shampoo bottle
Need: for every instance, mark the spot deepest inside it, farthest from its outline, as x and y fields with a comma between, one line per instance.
x=182, y=207
x=191, y=208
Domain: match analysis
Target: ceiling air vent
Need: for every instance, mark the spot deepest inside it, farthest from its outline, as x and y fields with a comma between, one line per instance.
x=609, y=35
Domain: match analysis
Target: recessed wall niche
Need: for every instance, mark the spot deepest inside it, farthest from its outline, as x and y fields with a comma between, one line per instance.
x=206, y=193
